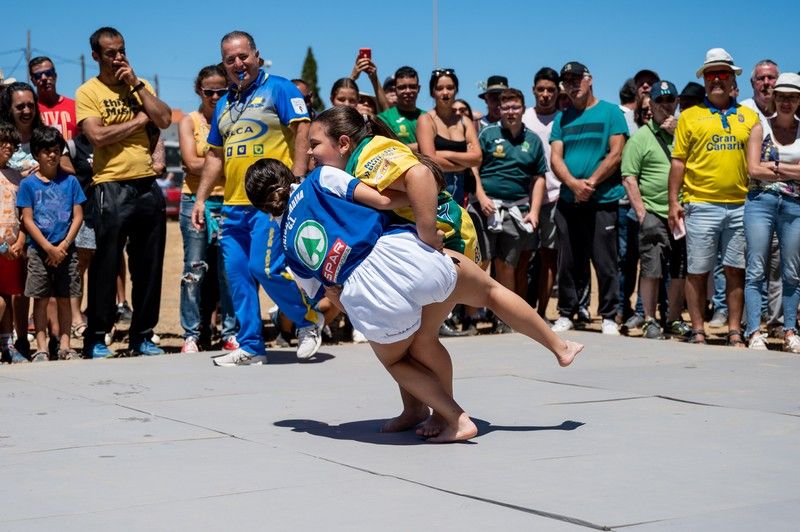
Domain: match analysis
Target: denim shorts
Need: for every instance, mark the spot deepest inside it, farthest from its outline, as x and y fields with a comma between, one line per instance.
x=713, y=228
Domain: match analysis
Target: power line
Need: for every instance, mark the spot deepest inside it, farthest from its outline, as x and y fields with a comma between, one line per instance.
x=55, y=56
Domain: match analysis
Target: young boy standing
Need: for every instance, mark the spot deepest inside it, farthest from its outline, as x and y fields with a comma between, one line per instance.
x=51, y=214
x=12, y=241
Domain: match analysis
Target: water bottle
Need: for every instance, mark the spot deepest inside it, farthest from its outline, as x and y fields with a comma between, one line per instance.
x=3, y=248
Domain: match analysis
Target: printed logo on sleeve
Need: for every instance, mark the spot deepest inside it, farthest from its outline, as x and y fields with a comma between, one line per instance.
x=310, y=244
x=299, y=106
x=333, y=262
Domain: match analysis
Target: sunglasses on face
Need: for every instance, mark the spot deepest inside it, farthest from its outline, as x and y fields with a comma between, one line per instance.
x=211, y=92
x=723, y=75
x=50, y=73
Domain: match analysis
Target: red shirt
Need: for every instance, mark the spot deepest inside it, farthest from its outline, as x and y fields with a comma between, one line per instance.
x=61, y=116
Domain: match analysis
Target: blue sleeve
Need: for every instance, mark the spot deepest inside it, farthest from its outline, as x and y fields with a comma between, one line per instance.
x=555, y=133
x=214, y=136
x=289, y=102
x=25, y=194
x=78, y=196
x=618, y=124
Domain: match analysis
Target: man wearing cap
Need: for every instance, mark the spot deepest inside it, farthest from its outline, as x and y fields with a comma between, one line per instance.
x=691, y=95
x=645, y=168
x=708, y=161
x=645, y=80
x=765, y=74
x=56, y=110
x=491, y=95
x=586, y=148
x=402, y=118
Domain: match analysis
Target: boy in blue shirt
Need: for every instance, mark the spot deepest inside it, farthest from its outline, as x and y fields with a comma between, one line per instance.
x=50, y=201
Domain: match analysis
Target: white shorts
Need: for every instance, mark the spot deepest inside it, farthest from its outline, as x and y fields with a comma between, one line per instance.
x=385, y=294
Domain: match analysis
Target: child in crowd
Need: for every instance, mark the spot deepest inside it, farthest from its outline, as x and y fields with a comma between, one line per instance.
x=50, y=201
x=12, y=241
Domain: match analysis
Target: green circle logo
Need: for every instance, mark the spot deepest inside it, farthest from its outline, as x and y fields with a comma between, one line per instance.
x=310, y=244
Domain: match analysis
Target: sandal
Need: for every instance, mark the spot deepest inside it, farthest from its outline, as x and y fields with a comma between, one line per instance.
x=735, y=338
x=40, y=356
x=77, y=330
x=68, y=354
x=697, y=336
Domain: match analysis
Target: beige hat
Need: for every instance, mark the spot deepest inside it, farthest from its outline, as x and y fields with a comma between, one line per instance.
x=6, y=81
x=718, y=57
x=788, y=82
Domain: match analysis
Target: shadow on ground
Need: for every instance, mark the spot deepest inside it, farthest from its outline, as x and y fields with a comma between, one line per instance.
x=368, y=430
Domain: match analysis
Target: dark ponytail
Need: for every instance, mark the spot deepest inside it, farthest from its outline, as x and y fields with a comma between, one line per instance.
x=268, y=185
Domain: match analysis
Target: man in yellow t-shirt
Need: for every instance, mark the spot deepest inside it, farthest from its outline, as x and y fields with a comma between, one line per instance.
x=116, y=110
x=708, y=162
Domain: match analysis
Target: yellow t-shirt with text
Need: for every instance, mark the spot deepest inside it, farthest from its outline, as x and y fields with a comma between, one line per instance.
x=129, y=158
x=716, y=167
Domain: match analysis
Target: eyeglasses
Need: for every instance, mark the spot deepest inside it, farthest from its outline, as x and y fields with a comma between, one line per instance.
x=218, y=92
x=783, y=97
x=723, y=75
x=510, y=108
x=25, y=105
x=443, y=72
x=50, y=73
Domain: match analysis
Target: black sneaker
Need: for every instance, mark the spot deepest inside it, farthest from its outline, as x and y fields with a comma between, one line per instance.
x=652, y=330
x=503, y=328
x=680, y=328
x=124, y=312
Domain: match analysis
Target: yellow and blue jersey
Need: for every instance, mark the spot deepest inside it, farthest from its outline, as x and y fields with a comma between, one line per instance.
x=253, y=125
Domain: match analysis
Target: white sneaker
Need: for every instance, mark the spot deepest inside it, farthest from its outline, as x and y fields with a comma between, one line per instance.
x=792, y=344
x=190, y=346
x=156, y=339
x=239, y=357
x=358, y=337
x=610, y=327
x=309, y=339
x=757, y=342
x=562, y=324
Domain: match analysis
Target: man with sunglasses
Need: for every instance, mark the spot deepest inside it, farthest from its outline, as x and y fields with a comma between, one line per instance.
x=586, y=148
x=645, y=168
x=402, y=118
x=119, y=112
x=56, y=110
x=708, y=163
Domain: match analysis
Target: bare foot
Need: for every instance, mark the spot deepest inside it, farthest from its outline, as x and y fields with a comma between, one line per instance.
x=568, y=353
x=432, y=426
x=463, y=430
x=406, y=420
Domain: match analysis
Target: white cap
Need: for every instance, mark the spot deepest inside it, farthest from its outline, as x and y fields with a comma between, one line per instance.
x=788, y=82
x=718, y=57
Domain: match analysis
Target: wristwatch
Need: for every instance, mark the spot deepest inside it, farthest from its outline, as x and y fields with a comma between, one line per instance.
x=139, y=86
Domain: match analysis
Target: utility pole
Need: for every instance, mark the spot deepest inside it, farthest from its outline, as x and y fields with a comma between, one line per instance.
x=28, y=56
x=435, y=33
x=155, y=82
x=83, y=69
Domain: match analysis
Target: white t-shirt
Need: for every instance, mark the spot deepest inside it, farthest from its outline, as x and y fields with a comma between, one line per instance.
x=541, y=125
x=751, y=103
x=632, y=127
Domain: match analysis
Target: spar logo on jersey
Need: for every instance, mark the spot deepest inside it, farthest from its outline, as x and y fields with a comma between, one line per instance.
x=310, y=244
x=333, y=262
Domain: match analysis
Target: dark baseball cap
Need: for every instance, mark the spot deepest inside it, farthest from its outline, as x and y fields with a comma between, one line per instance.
x=663, y=88
x=573, y=67
x=693, y=90
x=645, y=73
x=494, y=84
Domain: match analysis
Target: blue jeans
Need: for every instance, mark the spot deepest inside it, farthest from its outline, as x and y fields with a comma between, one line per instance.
x=253, y=253
x=197, y=252
x=765, y=212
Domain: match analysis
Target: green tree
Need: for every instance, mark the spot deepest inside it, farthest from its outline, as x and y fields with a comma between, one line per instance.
x=309, y=75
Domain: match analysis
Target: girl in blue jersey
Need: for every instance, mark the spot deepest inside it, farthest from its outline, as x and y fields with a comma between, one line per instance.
x=383, y=275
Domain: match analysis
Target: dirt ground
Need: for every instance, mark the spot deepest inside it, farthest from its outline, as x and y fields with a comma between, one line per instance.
x=170, y=331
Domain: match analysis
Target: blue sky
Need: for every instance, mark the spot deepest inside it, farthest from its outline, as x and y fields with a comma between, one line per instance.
x=176, y=38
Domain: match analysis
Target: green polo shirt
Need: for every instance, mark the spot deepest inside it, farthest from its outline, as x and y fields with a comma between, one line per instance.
x=644, y=158
x=510, y=163
x=403, y=124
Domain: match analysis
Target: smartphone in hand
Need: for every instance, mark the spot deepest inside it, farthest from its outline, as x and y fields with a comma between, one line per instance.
x=365, y=53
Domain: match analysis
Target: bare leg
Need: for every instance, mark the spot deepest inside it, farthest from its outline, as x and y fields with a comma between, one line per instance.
x=648, y=289
x=40, y=322
x=521, y=274
x=547, y=277
x=677, y=298
x=426, y=387
x=475, y=287
x=734, y=292
x=64, y=319
x=696, y=299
